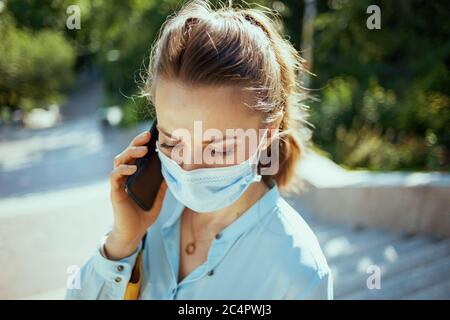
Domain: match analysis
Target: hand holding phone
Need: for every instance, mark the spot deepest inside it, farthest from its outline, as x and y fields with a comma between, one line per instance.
x=131, y=219
x=142, y=186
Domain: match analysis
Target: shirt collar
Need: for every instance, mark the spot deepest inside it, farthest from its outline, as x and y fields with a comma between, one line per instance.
x=248, y=219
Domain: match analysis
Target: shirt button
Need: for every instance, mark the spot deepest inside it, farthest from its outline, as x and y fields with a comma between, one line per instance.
x=118, y=279
x=218, y=236
x=120, y=268
x=174, y=290
x=210, y=272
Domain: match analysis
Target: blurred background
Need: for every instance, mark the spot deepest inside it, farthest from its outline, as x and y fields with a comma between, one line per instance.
x=375, y=182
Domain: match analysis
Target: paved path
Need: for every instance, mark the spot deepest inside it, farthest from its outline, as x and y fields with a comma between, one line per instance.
x=54, y=194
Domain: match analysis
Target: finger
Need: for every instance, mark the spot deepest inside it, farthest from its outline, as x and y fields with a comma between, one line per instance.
x=116, y=176
x=129, y=155
x=140, y=139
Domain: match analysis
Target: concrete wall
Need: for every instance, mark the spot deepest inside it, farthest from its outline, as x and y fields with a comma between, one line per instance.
x=410, y=202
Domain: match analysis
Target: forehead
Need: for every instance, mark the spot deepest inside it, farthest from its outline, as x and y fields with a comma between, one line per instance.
x=179, y=106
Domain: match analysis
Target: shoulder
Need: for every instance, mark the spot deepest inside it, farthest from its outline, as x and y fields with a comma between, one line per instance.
x=292, y=233
x=298, y=253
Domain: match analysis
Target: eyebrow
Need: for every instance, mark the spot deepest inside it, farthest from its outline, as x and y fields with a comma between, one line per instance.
x=212, y=140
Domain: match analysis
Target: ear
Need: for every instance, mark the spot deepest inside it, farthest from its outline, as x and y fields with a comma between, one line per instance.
x=272, y=134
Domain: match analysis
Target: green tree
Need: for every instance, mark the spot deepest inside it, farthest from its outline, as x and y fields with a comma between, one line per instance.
x=385, y=93
x=34, y=66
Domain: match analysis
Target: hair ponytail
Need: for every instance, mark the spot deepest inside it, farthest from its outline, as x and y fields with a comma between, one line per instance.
x=290, y=62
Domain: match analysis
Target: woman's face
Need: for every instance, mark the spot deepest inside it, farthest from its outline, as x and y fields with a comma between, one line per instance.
x=206, y=126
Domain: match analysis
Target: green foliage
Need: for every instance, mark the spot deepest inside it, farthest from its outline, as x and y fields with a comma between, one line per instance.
x=385, y=98
x=135, y=110
x=34, y=66
x=383, y=94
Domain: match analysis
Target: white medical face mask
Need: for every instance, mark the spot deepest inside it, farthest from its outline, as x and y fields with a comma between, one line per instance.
x=209, y=189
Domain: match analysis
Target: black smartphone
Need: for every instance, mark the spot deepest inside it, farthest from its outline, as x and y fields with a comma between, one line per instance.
x=144, y=184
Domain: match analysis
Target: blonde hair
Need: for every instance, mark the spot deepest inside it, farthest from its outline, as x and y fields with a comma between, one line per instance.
x=201, y=45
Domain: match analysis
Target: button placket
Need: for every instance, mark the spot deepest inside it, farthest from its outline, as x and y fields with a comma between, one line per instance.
x=218, y=251
x=215, y=255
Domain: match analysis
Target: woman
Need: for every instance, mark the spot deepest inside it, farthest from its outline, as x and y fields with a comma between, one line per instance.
x=220, y=229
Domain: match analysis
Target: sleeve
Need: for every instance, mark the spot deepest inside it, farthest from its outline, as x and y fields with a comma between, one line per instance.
x=102, y=279
x=318, y=287
x=321, y=287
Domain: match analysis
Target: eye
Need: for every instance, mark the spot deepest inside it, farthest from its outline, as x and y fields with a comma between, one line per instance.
x=166, y=146
x=222, y=152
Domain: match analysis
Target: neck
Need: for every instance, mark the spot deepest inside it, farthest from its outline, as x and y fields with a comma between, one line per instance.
x=218, y=220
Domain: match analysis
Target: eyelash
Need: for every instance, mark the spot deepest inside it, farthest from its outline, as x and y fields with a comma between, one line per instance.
x=166, y=146
x=223, y=153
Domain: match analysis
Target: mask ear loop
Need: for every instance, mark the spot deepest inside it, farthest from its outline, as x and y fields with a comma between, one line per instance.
x=263, y=139
x=257, y=155
x=275, y=134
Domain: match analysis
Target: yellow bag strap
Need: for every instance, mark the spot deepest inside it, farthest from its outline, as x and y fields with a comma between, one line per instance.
x=134, y=285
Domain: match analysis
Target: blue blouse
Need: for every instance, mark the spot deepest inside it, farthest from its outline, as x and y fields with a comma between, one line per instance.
x=269, y=252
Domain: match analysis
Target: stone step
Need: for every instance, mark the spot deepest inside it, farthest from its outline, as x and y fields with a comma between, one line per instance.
x=365, y=243
x=409, y=281
x=330, y=232
x=340, y=247
x=439, y=291
x=354, y=286
x=378, y=253
x=319, y=226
